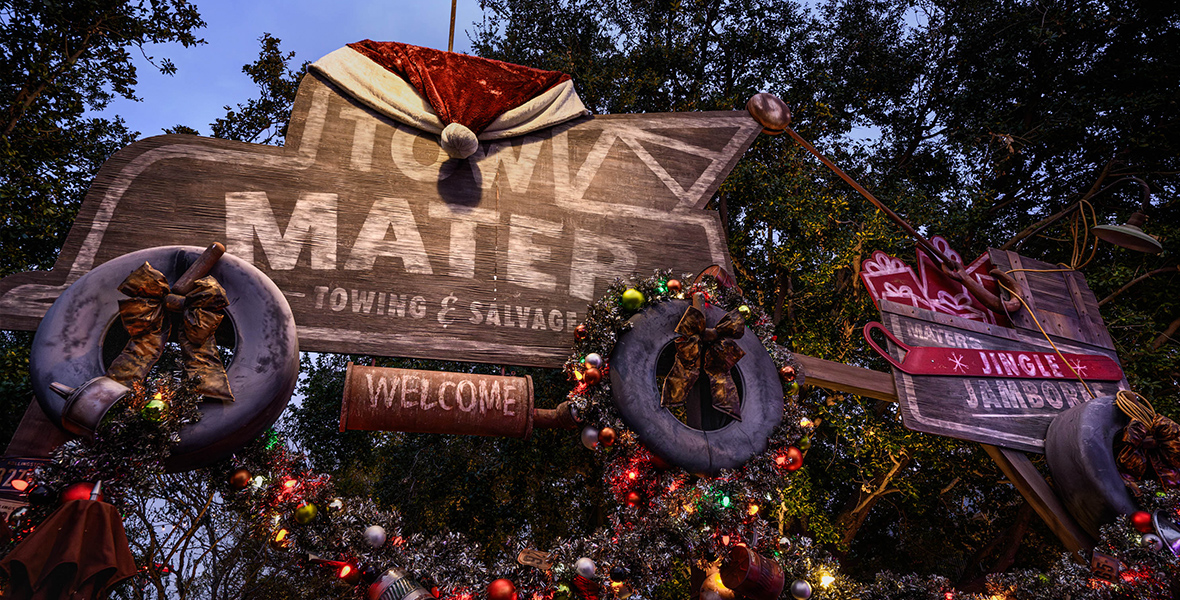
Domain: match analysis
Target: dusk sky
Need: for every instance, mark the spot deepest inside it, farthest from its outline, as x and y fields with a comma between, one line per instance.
x=210, y=76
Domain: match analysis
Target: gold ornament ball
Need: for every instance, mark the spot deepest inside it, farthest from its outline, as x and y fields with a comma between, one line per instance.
x=154, y=410
x=240, y=478
x=632, y=299
x=744, y=311
x=787, y=373
x=305, y=513
x=591, y=376
x=606, y=436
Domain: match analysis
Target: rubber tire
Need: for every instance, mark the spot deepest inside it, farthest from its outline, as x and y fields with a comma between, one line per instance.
x=1080, y=451
x=633, y=385
x=68, y=348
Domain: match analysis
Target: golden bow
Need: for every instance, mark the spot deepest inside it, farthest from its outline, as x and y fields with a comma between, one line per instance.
x=711, y=349
x=145, y=317
x=1149, y=439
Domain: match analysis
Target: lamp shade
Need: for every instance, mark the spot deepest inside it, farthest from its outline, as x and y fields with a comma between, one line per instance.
x=1129, y=236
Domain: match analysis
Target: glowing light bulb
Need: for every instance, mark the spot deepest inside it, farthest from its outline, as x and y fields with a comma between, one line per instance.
x=725, y=501
x=825, y=579
x=20, y=484
x=752, y=510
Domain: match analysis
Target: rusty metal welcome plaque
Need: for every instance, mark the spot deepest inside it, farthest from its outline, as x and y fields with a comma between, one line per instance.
x=383, y=245
x=1005, y=406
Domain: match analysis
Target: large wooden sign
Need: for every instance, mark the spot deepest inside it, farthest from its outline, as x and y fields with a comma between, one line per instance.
x=383, y=245
x=1011, y=411
x=993, y=398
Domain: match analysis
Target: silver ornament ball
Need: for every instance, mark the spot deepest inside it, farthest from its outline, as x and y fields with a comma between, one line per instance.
x=800, y=590
x=585, y=567
x=1152, y=541
x=590, y=437
x=375, y=536
x=594, y=359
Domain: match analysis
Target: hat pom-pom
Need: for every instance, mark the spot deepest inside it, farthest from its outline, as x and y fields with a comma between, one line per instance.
x=458, y=141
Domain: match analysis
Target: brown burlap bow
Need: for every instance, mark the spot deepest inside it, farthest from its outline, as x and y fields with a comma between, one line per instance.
x=709, y=348
x=146, y=317
x=1149, y=439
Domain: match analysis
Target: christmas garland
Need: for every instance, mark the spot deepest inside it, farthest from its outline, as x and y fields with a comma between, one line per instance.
x=664, y=520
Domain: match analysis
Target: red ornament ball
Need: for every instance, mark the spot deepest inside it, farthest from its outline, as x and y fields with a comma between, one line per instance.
x=632, y=498
x=674, y=286
x=240, y=478
x=606, y=436
x=591, y=376
x=1141, y=519
x=501, y=589
x=580, y=332
x=787, y=373
x=79, y=491
x=791, y=460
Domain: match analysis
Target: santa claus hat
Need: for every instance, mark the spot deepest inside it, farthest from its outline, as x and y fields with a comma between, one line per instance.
x=462, y=99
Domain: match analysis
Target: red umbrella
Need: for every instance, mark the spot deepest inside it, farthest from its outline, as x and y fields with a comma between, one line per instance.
x=79, y=552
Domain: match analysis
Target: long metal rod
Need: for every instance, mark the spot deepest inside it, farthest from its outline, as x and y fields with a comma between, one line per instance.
x=451, y=40
x=863, y=192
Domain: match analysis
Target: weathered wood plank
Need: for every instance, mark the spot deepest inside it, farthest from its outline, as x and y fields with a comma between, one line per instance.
x=382, y=244
x=1012, y=412
x=848, y=378
x=1029, y=482
x=36, y=436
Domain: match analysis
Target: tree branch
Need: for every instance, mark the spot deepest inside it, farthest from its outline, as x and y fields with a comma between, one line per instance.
x=1137, y=280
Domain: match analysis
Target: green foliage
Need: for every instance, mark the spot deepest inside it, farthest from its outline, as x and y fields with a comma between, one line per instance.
x=975, y=120
x=59, y=60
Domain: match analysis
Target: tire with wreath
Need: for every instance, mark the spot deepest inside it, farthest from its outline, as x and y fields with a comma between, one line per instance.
x=1080, y=451
x=69, y=348
x=636, y=393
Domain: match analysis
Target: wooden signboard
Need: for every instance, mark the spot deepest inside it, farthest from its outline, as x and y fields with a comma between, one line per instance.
x=383, y=245
x=1011, y=411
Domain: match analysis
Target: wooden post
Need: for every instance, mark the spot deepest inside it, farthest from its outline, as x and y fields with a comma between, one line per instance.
x=1020, y=470
x=36, y=436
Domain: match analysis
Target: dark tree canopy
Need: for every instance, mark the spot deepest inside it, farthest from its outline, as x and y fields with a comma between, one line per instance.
x=978, y=121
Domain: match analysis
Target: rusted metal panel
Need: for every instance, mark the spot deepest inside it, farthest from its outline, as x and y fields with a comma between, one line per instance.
x=387, y=399
x=383, y=245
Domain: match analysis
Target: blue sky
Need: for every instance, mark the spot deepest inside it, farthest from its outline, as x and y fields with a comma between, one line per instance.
x=210, y=76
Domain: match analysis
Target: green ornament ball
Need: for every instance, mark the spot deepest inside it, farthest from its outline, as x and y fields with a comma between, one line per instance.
x=154, y=410
x=632, y=299
x=804, y=442
x=793, y=388
x=305, y=513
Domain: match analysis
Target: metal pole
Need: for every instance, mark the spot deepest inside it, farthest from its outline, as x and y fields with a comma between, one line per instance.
x=451, y=40
x=863, y=192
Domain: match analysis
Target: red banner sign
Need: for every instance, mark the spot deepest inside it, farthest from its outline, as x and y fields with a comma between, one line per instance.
x=972, y=362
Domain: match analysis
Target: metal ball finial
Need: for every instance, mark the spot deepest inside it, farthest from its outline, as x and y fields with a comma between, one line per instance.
x=770, y=112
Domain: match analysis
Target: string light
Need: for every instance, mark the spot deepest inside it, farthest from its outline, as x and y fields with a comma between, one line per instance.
x=752, y=510
x=725, y=501
x=20, y=484
x=825, y=579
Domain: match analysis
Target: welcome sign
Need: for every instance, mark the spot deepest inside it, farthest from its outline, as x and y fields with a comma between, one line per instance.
x=383, y=244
